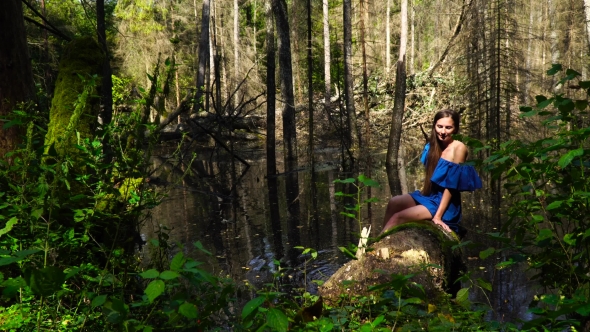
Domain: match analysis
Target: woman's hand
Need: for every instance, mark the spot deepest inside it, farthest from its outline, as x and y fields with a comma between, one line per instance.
x=441, y=223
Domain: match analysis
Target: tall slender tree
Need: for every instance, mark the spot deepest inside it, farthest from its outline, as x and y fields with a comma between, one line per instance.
x=352, y=135
x=16, y=77
x=392, y=161
x=286, y=78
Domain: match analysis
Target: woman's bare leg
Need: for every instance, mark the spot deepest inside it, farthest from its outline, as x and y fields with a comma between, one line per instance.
x=397, y=204
x=417, y=212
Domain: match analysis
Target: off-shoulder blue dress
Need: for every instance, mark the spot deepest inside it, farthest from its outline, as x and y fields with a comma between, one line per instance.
x=452, y=176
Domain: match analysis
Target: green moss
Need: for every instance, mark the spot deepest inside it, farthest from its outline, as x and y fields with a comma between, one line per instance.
x=74, y=106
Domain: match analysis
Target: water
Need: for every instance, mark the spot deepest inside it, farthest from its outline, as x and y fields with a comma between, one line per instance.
x=229, y=213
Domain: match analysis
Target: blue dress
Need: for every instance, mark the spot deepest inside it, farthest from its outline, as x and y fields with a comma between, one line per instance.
x=452, y=176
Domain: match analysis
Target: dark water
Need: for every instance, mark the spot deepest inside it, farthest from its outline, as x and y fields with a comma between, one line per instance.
x=225, y=206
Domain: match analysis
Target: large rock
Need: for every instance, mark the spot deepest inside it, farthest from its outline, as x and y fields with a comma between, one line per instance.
x=418, y=248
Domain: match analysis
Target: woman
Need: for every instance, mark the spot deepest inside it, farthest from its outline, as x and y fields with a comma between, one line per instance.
x=440, y=198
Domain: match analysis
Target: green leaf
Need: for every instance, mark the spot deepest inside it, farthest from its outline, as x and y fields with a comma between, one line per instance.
x=378, y=321
x=154, y=289
x=554, y=205
x=349, y=180
x=45, y=281
x=584, y=310
x=484, y=284
x=199, y=246
x=252, y=306
x=463, y=297
x=567, y=158
x=167, y=275
x=36, y=213
x=555, y=68
x=545, y=103
x=569, y=239
x=486, y=253
x=177, y=262
x=150, y=274
x=8, y=227
x=369, y=182
x=544, y=234
x=277, y=320
x=98, y=301
x=581, y=104
x=188, y=310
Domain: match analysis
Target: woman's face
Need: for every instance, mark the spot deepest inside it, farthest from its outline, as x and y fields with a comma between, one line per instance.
x=444, y=127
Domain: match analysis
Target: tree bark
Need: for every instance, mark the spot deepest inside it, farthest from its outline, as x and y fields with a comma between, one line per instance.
x=203, y=56
x=16, y=77
x=352, y=135
x=392, y=162
x=289, y=128
x=587, y=16
x=106, y=95
x=327, y=60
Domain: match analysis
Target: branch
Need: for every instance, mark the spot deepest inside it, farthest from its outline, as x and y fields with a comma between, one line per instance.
x=456, y=32
x=54, y=31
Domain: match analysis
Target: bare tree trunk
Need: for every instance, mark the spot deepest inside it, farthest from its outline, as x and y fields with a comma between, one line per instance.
x=367, y=144
x=352, y=132
x=388, y=39
x=289, y=129
x=203, y=57
x=16, y=77
x=587, y=16
x=327, y=60
x=313, y=180
x=106, y=95
x=236, y=50
x=392, y=162
x=413, y=40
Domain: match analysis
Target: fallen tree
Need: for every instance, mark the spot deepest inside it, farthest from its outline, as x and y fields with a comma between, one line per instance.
x=419, y=248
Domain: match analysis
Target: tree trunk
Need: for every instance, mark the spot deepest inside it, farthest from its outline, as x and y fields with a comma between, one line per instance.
x=406, y=250
x=106, y=95
x=352, y=135
x=392, y=162
x=289, y=128
x=388, y=39
x=236, y=50
x=16, y=77
x=203, y=57
x=313, y=184
x=587, y=16
x=327, y=60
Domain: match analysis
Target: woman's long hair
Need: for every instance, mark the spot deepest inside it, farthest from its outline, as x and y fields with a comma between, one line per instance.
x=435, y=149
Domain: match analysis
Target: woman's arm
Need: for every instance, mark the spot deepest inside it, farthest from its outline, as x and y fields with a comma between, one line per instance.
x=444, y=203
x=459, y=156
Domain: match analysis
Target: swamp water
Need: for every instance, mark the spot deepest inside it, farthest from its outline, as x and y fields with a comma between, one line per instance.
x=226, y=207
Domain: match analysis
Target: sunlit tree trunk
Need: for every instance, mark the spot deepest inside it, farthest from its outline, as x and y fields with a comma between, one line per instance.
x=236, y=50
x=392, y=162
x=388, y=38
x=327, y=60
x=16, y=77
x=587, y=16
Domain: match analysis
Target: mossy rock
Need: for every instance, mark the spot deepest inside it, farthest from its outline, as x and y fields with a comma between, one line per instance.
x=74, y=106
x=412, y=248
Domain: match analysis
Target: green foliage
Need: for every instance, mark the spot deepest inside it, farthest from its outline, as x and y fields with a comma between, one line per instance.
x=548, y=187
x=354, y=211
x=69, y=233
